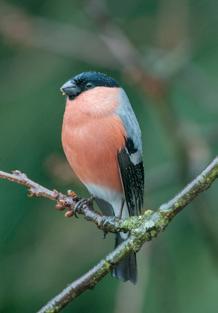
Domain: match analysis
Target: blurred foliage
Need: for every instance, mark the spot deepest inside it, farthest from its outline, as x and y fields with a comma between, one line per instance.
x=40, y=251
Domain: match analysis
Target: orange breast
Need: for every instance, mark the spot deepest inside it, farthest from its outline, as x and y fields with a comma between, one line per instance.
x=91, y=145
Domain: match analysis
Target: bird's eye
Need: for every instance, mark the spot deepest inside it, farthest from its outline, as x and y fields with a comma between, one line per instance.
x=89, y=85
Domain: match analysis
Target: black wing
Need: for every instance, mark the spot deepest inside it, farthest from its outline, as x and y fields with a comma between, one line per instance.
x=132, y=176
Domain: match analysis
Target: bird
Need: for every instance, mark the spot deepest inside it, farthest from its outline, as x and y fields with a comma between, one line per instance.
x=101, y=139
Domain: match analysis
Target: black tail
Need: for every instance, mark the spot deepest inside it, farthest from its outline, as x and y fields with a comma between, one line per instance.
x=127, y=268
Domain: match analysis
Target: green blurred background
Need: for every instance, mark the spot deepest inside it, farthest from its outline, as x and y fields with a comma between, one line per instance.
x=164, y=53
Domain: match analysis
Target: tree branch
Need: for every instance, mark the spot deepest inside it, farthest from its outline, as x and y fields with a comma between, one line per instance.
x=142, y=228
x=151, y=223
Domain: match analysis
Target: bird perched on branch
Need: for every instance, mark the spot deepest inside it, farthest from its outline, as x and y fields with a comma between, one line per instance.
x=102, y=142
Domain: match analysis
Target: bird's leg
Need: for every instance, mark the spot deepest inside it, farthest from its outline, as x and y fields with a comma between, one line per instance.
x=121, y=209
x=120, y=216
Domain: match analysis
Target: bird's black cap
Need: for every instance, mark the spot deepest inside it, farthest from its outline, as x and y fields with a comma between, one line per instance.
x=87, y=80
x=97, y=78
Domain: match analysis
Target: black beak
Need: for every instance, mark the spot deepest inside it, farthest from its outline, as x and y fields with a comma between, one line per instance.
x=70, y=89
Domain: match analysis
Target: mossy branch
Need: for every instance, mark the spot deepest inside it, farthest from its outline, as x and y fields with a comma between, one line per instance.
x=142, y=228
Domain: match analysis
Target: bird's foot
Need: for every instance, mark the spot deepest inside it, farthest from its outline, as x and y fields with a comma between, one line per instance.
x=105, y=223
x=82, y=203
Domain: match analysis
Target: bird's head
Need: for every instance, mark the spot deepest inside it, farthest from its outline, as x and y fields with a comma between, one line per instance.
x=86, y=81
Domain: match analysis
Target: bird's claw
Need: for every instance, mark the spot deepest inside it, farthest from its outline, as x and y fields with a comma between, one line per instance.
x=108, y=218
x=81, y=203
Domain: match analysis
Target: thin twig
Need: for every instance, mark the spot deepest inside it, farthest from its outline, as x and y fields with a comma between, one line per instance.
x=70, y=201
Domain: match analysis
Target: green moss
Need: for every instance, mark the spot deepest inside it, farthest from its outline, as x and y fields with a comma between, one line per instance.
x=134, y=222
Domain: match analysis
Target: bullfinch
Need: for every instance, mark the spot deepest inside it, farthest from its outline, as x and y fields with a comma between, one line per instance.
x=101, y=139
